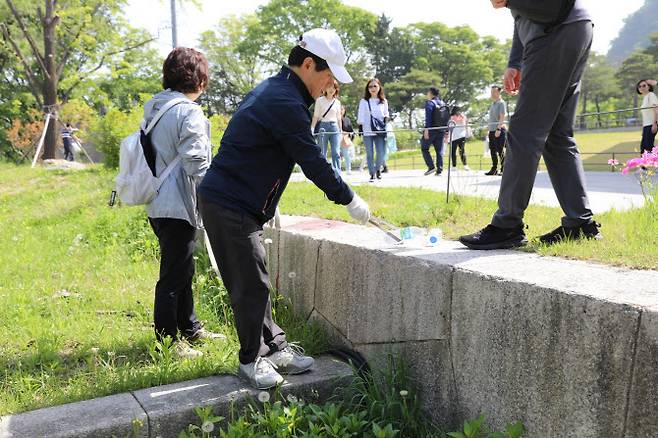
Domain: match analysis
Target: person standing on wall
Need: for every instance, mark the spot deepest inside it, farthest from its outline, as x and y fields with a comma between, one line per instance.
x=437, y=114
x=459, y=137
x=327, y=113
x=497, y=131
x=183, y=131
x=649, y=114
x=372, y=117
x=267, y=135
x=550, y=49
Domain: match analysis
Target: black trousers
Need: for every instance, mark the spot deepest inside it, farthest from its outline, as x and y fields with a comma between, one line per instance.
x=460, y=144
x=497, y=148
x=648, y=140
x=237, y=242
x=436, y=140
x=174, y=305
x=68, y=149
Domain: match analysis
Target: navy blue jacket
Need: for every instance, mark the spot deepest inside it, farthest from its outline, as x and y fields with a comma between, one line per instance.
x=267, y=135
x=430, y=106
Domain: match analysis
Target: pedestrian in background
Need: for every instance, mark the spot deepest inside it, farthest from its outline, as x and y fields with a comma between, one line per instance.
x=437, y=115
x=372, y=117
x=497, y=131
x=459, y=135
x=327, y=113
x=347, y=150
x=67, y=139
x=649, y=114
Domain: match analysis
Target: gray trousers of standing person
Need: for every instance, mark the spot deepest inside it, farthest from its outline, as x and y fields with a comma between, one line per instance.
x=237, y=242
x=542, y=124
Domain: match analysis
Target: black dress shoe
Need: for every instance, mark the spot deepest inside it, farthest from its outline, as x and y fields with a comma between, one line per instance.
x=590, y=230
x=372, y=177
x=491, y=172
x=430, y=171
x=492, y=237
x=379, y=175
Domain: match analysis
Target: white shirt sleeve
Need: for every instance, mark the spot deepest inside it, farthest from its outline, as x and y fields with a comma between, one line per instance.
x=385, y=109
x=362, y=115
x=653, y=100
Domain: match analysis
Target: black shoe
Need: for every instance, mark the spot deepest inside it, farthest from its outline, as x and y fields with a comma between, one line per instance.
x=491, y=172
x=429, y=171
x=492, y=237
x=439, y=172
x=372, y=177
x=384, y=169
x=379, y=175
x=589, y=230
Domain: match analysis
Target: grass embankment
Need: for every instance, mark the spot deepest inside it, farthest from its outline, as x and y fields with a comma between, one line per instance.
x=76, y=289
x=596, y=149
x=631, y=238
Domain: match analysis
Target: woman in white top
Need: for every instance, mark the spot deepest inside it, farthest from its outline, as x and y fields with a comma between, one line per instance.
x=458, y=137
x=373, y=111
x=327, y=112
x=649, y=114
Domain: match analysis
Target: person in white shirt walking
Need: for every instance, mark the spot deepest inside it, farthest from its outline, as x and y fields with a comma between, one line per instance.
x=328, y=114
x=372, y=117
x=645, y=88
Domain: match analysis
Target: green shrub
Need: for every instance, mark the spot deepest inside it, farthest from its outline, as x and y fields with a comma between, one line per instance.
x=110, y=130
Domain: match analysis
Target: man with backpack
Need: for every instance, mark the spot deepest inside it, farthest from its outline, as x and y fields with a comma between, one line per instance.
x=268, y=134
x=437, y=114
x=551, y=44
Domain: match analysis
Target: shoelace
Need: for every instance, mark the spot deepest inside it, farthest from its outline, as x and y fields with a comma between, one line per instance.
x=262, y=363
x=295, y=349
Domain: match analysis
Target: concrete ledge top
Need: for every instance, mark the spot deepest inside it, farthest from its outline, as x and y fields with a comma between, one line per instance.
x=607, y=283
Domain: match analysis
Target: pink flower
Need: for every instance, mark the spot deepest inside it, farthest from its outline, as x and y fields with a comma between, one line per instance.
x=613, y=162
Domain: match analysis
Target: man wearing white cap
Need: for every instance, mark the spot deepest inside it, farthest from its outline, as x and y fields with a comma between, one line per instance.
x=268, y=134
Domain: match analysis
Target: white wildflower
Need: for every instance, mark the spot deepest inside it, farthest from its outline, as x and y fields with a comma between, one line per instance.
x=292, y=274
x=292, y=399
x=263, y=396
x=94, y=350
x=404, y=393
x=207, y=426
x=268, y=241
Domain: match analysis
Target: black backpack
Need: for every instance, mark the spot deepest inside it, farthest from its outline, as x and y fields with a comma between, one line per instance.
x=550, y=12
x=440, y=114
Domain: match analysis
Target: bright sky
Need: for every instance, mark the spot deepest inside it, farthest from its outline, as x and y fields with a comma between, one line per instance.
x=154, y=15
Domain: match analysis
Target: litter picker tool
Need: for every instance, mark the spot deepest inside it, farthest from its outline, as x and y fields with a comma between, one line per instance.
x=385, y=227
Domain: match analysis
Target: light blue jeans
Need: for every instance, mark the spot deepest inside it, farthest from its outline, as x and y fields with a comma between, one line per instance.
x=345, y=152
x=332, y=137
x=374, y=143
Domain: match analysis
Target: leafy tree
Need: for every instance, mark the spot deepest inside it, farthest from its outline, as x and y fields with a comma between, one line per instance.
x=234, y=69
x=391, y=50
x=408, y=93
x=59, y=45
x=635, y=33
x=640, y=65
x=598, y=83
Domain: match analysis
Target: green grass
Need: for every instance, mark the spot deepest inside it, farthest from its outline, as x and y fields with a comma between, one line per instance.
x=76, y=289
x=589, y=143
x=631, y=238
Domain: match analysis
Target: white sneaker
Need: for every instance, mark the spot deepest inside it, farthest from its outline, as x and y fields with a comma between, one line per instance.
x=291, y=360
x=466, y=168
x=260, y=374
x=183, y=350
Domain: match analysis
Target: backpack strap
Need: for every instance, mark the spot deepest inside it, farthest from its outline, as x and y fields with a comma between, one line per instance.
x=162, y=112
x=165, y=173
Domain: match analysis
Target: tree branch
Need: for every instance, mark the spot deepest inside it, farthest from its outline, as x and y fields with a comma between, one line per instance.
x=31, y=79
x=67, y=52
x=29, y=38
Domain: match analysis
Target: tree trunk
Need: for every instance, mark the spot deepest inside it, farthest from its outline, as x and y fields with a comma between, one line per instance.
x=598, y=110
x=51, y=78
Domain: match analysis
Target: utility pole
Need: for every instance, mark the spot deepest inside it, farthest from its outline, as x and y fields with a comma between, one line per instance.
x=174, y=31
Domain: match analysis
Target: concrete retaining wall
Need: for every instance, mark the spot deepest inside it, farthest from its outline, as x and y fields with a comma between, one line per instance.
x=569, y=348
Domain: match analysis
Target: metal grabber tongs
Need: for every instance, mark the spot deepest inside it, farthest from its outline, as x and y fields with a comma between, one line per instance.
x=385, y=227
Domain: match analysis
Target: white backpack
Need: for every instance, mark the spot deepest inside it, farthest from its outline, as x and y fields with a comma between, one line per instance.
x=135, y=183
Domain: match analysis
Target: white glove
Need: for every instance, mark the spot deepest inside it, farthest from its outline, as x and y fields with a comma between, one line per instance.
x=358, y=209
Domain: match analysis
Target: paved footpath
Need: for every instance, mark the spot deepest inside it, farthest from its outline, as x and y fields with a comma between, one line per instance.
x=607, y=190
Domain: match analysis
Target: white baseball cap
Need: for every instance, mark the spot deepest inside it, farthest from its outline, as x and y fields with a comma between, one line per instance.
x=326, y=44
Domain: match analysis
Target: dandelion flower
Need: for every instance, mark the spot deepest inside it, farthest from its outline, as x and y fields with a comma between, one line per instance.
x=207, y=426
x=292, y=399
x=263, y=396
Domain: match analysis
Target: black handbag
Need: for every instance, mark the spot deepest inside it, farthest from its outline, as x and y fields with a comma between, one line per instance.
x=316, y=130
x=377, y=126
x=550, y=12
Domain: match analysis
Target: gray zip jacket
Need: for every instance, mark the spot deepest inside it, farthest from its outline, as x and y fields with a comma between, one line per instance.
x=183, y=130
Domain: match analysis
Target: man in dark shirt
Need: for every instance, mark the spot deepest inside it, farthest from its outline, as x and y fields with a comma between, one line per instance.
x=552, y=57
x=268, y=134
x=433, y=137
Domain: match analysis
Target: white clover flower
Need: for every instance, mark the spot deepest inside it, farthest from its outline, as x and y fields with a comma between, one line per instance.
x=292, y=399
x=207, y=426
x=263, y=396
x=404, y=393
x=268, y=241
x=292, y=274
